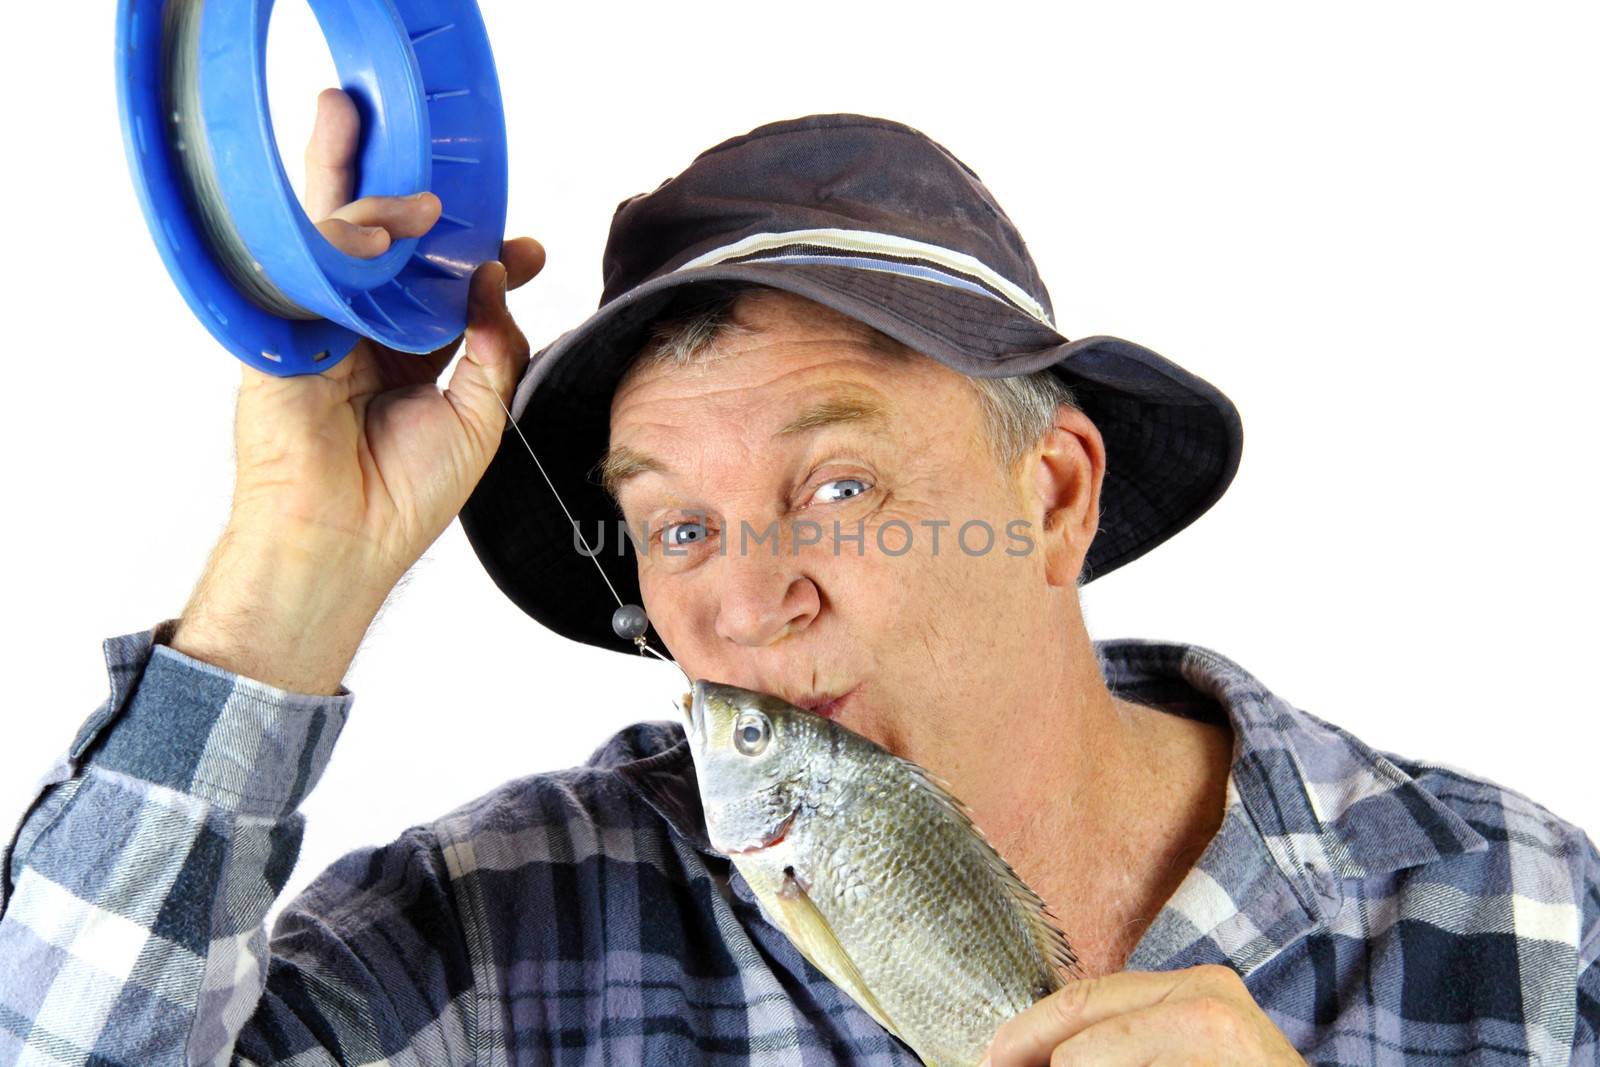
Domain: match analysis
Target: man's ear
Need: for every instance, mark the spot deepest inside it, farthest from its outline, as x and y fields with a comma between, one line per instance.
x=1068, y=468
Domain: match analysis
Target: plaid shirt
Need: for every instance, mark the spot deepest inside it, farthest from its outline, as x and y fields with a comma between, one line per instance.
x=1379, y=909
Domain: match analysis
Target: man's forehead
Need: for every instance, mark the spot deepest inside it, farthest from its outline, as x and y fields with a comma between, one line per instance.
x=811, y=368
x=834, y=404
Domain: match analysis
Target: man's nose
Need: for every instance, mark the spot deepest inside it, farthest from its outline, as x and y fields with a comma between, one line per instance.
x=763, y=599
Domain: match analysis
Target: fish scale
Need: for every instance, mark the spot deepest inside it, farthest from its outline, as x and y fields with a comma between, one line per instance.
x=929, y=953
x=875, y=872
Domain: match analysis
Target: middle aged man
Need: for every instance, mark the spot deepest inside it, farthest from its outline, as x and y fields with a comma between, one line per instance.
x=826, y=320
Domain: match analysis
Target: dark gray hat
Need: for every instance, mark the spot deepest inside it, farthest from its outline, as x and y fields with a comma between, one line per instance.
x=872, y=219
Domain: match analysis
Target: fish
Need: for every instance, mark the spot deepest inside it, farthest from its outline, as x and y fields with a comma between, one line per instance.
x=875, y=871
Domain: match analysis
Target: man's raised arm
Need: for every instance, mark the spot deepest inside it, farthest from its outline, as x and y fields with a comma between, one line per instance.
x=134, y=892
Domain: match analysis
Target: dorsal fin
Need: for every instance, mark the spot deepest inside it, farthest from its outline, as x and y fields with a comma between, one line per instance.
x=1051, y=943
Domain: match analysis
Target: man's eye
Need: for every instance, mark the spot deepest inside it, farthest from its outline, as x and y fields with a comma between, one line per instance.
x=690, y=533
x=846, y=488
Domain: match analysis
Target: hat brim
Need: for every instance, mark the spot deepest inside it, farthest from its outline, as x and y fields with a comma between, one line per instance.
x=1172, y=440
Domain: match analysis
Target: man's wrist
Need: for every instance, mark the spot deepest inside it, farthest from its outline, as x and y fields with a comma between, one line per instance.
x=283, y=610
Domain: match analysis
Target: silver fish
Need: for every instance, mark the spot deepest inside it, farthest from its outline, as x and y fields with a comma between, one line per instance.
x=874, y=871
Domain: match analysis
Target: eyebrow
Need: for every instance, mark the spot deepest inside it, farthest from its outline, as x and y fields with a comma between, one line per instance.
x=846, y=407
x=621, y=463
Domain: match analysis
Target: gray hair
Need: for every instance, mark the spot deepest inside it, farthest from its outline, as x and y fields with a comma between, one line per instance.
x=1018, y=410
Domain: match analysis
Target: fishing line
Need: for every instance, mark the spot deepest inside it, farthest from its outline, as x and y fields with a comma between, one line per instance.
x=629, y=621
x=180, y=43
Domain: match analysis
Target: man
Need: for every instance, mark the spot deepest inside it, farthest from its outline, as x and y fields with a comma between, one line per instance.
x=827, y=321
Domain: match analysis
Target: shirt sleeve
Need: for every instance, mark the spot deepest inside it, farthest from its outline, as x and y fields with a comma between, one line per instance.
x=134, y=892
x=1586, y=1029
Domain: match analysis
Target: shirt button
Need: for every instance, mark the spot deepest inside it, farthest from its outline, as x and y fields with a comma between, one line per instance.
x=1325, y=886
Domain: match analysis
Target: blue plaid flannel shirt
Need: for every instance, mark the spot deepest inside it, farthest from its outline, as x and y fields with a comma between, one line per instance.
x=1381, y=910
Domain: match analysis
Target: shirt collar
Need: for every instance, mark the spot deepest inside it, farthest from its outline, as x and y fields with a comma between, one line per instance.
x=653, y=758
x=1320, y=797
x=1309, y=805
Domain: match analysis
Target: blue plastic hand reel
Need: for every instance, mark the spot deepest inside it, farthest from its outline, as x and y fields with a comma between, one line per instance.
x=423, y=78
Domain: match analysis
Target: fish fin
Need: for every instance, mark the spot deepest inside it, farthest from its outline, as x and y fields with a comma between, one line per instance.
x=811, y=933
x=1047, y=936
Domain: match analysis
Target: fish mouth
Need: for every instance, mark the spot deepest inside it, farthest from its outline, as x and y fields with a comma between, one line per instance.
x=781, y=833
x=694, y=706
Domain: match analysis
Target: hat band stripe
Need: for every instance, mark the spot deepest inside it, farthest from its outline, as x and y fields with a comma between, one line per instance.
x=887, y=266
x=820, y=254
x=942, y=263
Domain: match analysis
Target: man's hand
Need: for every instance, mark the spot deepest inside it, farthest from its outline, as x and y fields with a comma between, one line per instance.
x=1198, y=1015
x=370, y=455
x=346, y=477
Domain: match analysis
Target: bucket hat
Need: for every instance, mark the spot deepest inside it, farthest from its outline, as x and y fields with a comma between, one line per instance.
x=873, y=219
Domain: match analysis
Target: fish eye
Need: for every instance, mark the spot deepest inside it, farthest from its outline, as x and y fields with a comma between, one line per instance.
x=751, y=732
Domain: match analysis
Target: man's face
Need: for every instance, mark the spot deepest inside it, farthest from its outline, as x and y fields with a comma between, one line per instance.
x=924, y=636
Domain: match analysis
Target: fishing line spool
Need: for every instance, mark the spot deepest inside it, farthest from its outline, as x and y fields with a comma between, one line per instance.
x=197, y=129
x=191, y=90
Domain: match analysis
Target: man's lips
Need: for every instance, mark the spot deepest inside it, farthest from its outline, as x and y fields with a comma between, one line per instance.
x=828, y=707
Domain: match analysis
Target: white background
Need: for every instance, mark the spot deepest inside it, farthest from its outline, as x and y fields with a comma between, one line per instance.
x=1374, y=226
